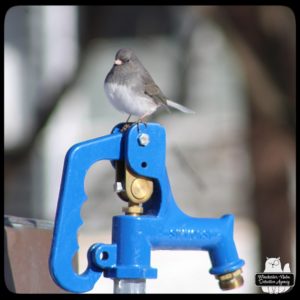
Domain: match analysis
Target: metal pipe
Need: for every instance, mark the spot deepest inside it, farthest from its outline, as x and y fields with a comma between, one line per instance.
x=129, y=286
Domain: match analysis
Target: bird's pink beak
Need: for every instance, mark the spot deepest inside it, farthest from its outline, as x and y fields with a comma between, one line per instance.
x=118, y=62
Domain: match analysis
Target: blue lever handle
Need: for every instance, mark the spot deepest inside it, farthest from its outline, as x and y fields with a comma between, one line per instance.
x=78, y=160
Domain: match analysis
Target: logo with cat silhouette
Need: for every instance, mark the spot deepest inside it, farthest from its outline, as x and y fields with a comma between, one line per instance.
x=274, y=279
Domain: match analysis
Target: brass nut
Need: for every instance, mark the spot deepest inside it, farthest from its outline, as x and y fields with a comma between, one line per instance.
x=134, y=210
x=230, y=280
x=229, y=275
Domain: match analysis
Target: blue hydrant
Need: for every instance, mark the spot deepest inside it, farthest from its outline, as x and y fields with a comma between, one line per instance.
x=152, y=220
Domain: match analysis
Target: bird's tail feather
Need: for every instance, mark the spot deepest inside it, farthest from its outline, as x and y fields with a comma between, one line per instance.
x=180, y=107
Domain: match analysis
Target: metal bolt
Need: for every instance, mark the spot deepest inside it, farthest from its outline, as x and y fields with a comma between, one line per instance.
x=144, y=139
x=118, y=187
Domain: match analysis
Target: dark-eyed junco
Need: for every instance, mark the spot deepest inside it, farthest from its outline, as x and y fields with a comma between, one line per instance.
x=131, y=89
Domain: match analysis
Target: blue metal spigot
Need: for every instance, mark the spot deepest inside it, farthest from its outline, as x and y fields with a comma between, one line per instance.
x=161, y=225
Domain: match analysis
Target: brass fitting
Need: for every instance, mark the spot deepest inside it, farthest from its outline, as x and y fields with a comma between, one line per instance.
x=133, y=209
x=132, y=188
x=231, y=280
x=139, y=189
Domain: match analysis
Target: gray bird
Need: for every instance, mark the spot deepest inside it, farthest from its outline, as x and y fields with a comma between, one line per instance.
x=131, y=89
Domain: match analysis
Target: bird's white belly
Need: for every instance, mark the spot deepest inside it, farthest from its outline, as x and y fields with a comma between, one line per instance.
x=125, y=100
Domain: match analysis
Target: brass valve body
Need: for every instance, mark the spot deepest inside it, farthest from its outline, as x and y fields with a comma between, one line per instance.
x=136, y=189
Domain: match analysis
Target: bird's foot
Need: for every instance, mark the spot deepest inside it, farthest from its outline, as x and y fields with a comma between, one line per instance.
x=126, y=126
x=139, y=122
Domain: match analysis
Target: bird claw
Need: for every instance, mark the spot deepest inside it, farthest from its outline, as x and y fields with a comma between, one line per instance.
x=138, y=124
x=129, y=124
x=126, y=126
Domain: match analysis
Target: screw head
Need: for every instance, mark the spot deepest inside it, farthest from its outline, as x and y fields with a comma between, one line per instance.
x=144, y=139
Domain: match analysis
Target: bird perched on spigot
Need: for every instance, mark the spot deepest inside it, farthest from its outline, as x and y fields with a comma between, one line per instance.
x=131, y=89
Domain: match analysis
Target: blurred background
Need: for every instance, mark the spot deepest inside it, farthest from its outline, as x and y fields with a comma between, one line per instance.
x=233, y=65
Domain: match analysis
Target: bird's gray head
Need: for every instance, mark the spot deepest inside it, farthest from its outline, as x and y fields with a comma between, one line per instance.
x=123, y=56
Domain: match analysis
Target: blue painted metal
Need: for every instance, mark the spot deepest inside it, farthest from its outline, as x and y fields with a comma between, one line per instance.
x=162, y=226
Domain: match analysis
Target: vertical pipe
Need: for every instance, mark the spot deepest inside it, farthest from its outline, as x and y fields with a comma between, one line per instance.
x=129, y=286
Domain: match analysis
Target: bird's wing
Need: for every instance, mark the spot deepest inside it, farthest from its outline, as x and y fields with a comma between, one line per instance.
x=155, y=93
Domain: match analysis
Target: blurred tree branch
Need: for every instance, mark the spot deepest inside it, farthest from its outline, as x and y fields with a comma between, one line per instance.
x=272, y=98
x=264, y=38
